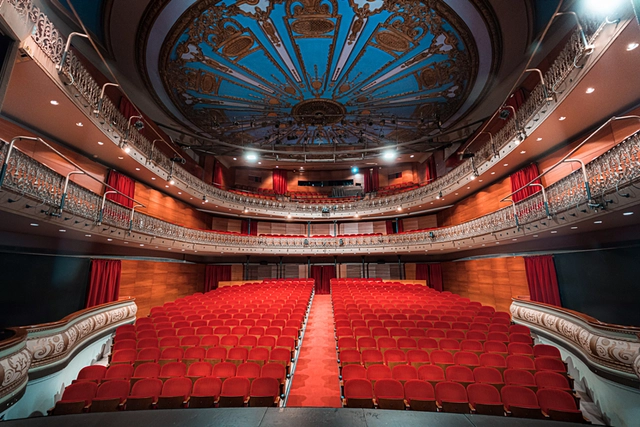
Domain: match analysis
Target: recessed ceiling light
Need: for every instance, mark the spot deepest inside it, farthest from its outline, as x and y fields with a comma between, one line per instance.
x=412, y=156
x=141, y=244
x=574, y=228
x=597, y=222
x=480, y=180
x=109, y=240
x=259, y=163
x=183, y=250
x=169, y=249
x=153, y=178
x=233, y=159
x=179, y=192
x=62, y=230
x=54, y=102
x=627, y=213
x=514, y=239
x=166, y=186
x=493, y=173
x=539, y=139
x=505, y=165
x=554, y=232
x=126, y=243
x=563, y=118
x=127, y=149
x=100, y=143
x=632, y=46
x=79, y=124
x=87, y=235
x=497, y=243
x=120, y=158
x=137, y=169
x=535, y=235
x=591, y=90
x=33, y=224
x=277, y=166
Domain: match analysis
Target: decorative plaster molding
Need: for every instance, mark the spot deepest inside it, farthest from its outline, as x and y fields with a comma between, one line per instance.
x=615, y=348
x=15, y=361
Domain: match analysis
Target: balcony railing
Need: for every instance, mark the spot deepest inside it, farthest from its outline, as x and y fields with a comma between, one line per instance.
x=612, y=172
x=113, y=123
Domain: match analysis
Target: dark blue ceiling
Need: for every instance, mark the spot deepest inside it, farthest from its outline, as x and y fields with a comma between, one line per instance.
x=316, y=71
x=90, y=12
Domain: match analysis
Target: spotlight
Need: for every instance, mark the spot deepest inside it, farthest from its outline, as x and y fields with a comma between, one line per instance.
x=603, y=7
x=389, y=155
x=504, y=114
x=439, y=196
x=355, y=170
x=205, y=199
x=252, y=157
x=171, y=181
x=139, y=125
x=127, y=149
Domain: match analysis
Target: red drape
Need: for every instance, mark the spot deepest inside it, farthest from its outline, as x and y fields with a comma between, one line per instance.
x=400, y=226
x=523, y=177
x=322, y=274
x=280, y=181
x=104, y=283
x=435, y=277
x=244, y=227
x=422, y=272
x=371, y=180
x=213, y=274
x=124, y=184
x=542, y=279
x=218, y=177
x=389, y=225
x=430, y=173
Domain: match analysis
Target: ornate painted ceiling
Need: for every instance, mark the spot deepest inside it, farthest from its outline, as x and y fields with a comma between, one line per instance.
x=338, y=78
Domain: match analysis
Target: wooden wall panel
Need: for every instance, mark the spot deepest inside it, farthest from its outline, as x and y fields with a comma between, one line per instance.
x=322, y=229
x=481, y=203
x=281, y=228
x=237, y=272
x=492, y=281
x=154, y=283
x=410, y=271
x=420, y=222
x=362, y=227
x=227, y=224
x=350, y=270
x=165, y=207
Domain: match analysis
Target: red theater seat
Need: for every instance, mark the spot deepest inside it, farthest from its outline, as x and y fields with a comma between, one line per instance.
x=358, y=393
x=175, y=393
x=452, y=397
x=76, y=398
x=389, y=394
x=485, y=399
x=420, y=396
x=559, y=406
x=235, y=392
x=111, y=396
x=520, y=402
x=205, y=393
x=144, y=394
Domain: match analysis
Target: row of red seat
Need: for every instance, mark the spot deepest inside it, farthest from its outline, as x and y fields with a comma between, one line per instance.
x=460, y=374
x=237, y=355
x=149, y=393
x=448, y=396
x=264, y=327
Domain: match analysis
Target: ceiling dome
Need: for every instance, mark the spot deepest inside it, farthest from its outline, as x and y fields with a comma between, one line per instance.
x=333, y=79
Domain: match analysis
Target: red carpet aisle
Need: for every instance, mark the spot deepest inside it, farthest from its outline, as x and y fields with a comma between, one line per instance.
x=315, y=381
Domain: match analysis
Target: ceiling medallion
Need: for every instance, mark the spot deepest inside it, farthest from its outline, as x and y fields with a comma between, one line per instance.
x=318, y=111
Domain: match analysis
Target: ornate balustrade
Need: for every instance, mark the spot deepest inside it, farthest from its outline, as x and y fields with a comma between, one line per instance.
x=34, y=351
x=614, y=172
x=604, y=347
x=116, y=126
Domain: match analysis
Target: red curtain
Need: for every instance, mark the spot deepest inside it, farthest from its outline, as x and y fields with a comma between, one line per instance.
x=244, y=227
x=371, y=180
x=322, y=274
x=430, y=173
x=214, y=274
x=104, y=283
x=389, y=225
x=542, y=279
x=422, y=272
x=123, y=184
x=523, y=177
x=218, y=176
x=400, y=226
x=435, y=277
x=280, y=181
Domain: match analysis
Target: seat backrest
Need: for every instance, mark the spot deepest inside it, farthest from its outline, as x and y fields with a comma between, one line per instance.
x=487, y=375
x=404, y=372
x=395, y=355
x=430, y=373
x=550, y=379
x=492, y=359
x=238, y=353
x=358, y=388
x=418, y=390
x=173, y=369
x=177, y=387
x=484, y=394
x=195, y=353
x=273, y=370
x=265, y=387
x=545, y=350
x=127, y=355
x=354, y=371
x=199, y=369
x=371, y=356
x=518, y=396
x=147, y=370
x=236, y=386
x=459, y=373
x=520, y=362
x=417, y=356
x=172, y=353
x=248, y=370
x=224, y=370
x=558, y=400
x=545, y=363
x=93, y=372
x=122, y=371
x=116, y=389
x=388, y=388
x=466, y=358
x=378, y=372
x=520, y=348
x=441, y=356
x=148, y=387
x=450, y=391
x=208, y=386
x=85, y=390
